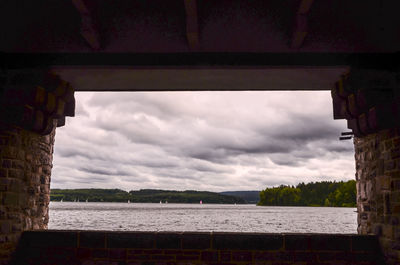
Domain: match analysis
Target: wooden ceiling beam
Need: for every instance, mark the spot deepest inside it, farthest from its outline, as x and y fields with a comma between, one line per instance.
x=300, y=28
x=192, y=28
x=88, y=29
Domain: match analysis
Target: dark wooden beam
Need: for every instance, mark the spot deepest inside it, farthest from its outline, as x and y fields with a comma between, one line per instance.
x=192, y=28
x=200, y=60
x=300, y=28
x=88, y=28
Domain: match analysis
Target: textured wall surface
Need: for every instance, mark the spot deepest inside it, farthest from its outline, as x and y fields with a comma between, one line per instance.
x=378, y=189
x=84, y=247
x=25, y=170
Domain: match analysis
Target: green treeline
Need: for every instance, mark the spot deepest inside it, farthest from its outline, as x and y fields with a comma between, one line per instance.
x=326, y=193
x=145, y=195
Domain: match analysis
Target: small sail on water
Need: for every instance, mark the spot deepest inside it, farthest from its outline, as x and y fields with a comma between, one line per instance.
x=201, y=202
x=129, y=201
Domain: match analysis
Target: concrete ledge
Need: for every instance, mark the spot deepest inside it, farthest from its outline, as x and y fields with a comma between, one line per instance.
x=93, y=247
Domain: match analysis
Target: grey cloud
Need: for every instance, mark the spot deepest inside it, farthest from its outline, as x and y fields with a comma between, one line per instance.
x=111, y=170
x=193, y=140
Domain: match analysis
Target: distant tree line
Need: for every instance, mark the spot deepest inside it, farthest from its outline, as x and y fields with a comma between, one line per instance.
x=326, y=193
x=145, y=195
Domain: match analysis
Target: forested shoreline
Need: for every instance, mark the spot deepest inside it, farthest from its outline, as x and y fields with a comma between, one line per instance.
x=326, y=193
x=144, y=195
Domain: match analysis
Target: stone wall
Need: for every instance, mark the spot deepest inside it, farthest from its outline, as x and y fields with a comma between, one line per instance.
x=33, y=102
x=378, y=189
x=25, y=170
x=136, y=248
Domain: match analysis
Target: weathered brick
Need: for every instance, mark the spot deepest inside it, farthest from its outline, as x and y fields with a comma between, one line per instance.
x=168, y=240
x=134, y=251
x=100, y=253
x=196, y=240
x=187, y=257
x=162, y=257
x=333, y=256
x=330, y=242
x=7, y=163
x=117, y=253
x=297, y=242
x=390, y=165
x=395, y=153
x=5, y=227
x=225, y=255
x=3, y=173
x=130, y=240
x=234, y=241
x=139, y=257
x=152, y=251
x=83, y=253
x=16, y=173
x=209, y=256
x=51, y=238
x=241, y=256
x=92, y=239
x=10, y=198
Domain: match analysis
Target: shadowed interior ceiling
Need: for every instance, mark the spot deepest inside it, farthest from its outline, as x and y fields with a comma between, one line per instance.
x=209, y=33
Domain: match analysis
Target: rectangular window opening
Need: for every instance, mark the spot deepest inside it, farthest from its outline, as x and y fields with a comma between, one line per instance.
x=123, y=163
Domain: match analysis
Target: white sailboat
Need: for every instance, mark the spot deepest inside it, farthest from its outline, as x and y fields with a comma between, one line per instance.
x=129, y=201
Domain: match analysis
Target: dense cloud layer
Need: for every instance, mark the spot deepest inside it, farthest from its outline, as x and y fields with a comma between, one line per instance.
x=200, y=140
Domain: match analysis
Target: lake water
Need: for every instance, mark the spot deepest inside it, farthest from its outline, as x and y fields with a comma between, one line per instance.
x=196, y=217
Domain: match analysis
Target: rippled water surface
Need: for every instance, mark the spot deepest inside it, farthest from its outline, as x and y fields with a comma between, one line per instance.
x=196, y=217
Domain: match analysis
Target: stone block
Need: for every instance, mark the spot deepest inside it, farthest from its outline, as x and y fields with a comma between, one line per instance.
x=5, y=227
x=232, y=241
x=100, y=253
x=297, y=242
x=50, y=238
x=6, y=163
x=17, y=164
x=83, y=253
x=390, y=165
x=130, y=240
x=241, y=256
x=209, y=256
x=9, y=152
x=16, y=173
x=308, y=257
x=187, y=257
x=330, y=242
x=10, y=198
x=92, y=239
x=395, y=184
x=196, y=240
x=165, y=240
x=225, y=256
x=364, y=243
x=117, y=253
x=3, y=173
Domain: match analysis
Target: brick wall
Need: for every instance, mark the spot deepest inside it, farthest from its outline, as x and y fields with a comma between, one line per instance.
x=25, y=169
x=378, y=189
x=123, y=248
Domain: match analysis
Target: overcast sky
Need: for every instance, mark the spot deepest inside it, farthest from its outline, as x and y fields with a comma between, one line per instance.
x=215, y=141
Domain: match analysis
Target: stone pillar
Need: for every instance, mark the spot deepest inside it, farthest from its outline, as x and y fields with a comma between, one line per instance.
x=378, y=189
x=25, y=170
x=32, y=105
x=370, y=102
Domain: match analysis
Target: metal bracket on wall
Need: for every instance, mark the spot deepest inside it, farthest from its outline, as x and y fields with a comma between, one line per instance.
x=346, y=136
